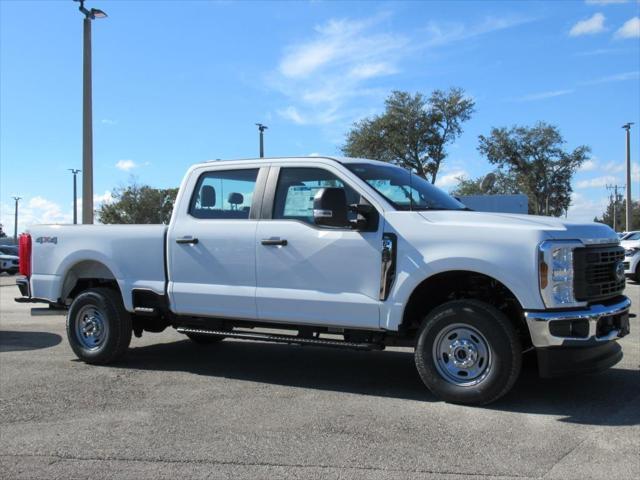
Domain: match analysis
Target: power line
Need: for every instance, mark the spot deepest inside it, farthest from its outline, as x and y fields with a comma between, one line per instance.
x=615, y=198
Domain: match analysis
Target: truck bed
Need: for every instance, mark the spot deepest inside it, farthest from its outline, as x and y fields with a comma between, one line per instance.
x=134, y=256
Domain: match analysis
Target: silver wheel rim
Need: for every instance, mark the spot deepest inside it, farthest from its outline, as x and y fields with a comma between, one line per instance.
x=91, y=328
x=462, y=355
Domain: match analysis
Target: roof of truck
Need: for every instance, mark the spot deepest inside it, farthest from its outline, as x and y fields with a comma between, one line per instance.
x=297, y=159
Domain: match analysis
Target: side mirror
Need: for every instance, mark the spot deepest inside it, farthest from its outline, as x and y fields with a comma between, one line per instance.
x=330, y=207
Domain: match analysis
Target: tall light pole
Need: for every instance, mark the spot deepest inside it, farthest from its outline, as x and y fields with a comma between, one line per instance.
x=75, y=194
x=261, y=128
x=15, y=224
x=627, y=127
x=87, y=120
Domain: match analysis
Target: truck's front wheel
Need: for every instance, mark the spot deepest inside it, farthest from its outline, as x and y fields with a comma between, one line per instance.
x=468, y=352
x=98, y=326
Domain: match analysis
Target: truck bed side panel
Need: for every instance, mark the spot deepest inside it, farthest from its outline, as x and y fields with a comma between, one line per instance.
x=133, y=254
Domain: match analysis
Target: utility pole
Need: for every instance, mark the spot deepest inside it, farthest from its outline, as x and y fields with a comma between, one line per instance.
x=627, y=127
x=261, y=128
x=75, y=194
x=15, y=224
x=87, y=113
x=615, y=198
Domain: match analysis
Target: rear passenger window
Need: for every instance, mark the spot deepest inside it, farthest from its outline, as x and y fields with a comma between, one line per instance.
x=224, y=194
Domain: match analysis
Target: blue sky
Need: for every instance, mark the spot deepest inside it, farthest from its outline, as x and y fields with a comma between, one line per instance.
x=179, y=82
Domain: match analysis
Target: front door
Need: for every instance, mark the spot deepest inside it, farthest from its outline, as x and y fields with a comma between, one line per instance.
x=211, y=261
x=310, y=274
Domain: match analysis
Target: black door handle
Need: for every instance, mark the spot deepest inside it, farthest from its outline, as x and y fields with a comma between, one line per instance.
x=191, y=240
x=274, y=241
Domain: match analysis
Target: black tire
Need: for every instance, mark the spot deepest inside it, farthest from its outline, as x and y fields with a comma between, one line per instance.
x=112, y=336
x=497, y=344
x=203, y=339
x=637, y=275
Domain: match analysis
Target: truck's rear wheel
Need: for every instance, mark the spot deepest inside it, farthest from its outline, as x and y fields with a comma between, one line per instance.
x=98, y=326
x=468, y=352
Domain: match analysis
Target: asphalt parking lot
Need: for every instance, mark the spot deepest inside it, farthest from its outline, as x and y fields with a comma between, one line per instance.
x=173, y=409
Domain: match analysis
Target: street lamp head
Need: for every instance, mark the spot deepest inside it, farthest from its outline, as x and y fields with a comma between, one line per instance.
x=90, y=14
x=627, y=126
x=97, y=13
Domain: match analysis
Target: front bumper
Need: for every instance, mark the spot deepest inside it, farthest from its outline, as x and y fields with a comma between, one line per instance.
x=591, y=326
x=579, y=341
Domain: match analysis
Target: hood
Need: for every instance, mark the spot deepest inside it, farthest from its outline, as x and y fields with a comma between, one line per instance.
x=553, y=228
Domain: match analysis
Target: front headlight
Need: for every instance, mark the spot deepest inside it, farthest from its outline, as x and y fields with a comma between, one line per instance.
x=630, y=252
x=556, y=273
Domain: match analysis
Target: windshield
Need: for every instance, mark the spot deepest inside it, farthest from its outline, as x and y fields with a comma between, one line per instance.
x=402, y=190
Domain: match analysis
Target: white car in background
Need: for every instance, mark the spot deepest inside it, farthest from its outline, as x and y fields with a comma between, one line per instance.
x=631, y=244
x=8, y=259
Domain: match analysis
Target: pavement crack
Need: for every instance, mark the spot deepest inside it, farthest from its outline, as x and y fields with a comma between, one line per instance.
x=266, y=464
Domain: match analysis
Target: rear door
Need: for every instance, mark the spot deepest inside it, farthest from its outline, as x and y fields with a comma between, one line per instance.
x=211, y=245
x=310, y=274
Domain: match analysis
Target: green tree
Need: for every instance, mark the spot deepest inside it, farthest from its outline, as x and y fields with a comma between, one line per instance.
x=139, y=204
x=504, y=185
x=413, y=130
x=536, y=159
x=617, y=210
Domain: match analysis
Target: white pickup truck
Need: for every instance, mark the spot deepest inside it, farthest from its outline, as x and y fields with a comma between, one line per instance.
x=344, y=253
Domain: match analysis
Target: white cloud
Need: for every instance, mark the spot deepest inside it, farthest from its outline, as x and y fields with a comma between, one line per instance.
x=615, y=167
x=544, y=95
x=32, y=211
x=630, y=29
x=590, y=26
x=600, y=51
x=440, y=34
x=589, y=165
x=314, y=154
x=291, y=113
x=618, y=77
x=635, y=175
x=322, y=76
x=98, y=199
x=340, y=42
x=597, y=182
x=126, y=165
x=370, y=70
x=108, y=121
x=451, y=179
x=333, y=77
x=585, y=209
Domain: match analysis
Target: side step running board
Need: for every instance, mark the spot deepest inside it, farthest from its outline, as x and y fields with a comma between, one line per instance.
x=290, y=339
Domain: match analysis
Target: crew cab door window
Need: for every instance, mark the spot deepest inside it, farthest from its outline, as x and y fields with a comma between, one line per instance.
x=296, y=189
x=224, y=194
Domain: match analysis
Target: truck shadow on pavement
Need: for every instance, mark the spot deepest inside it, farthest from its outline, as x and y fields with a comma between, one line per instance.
x=11, y=341
x=594, y=400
